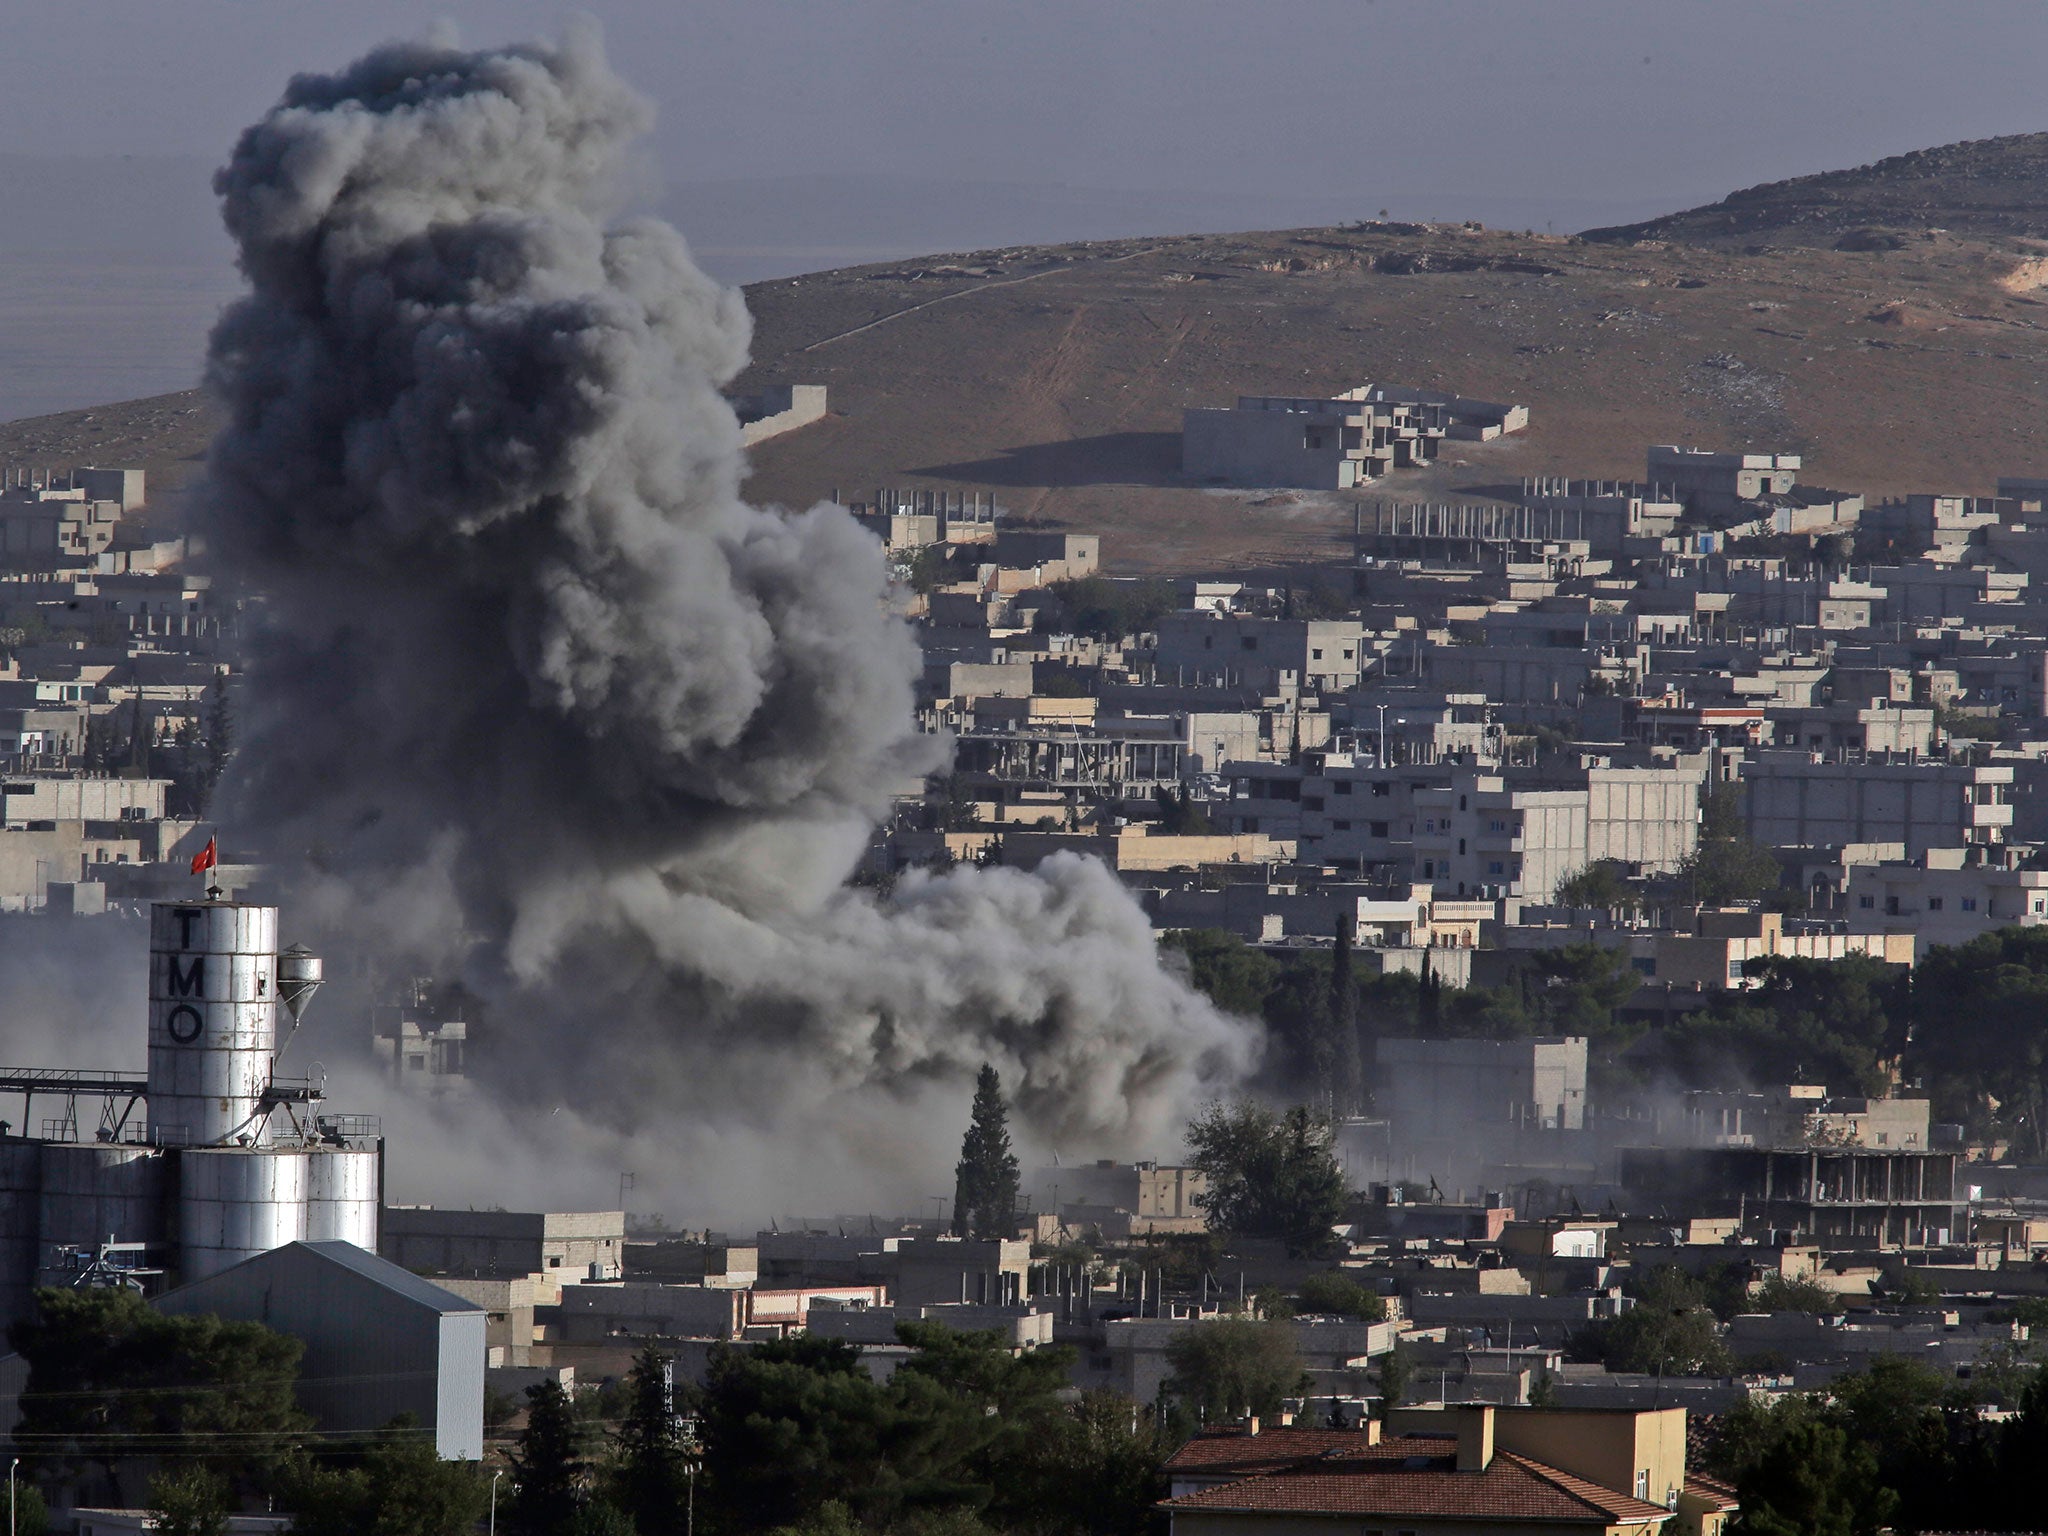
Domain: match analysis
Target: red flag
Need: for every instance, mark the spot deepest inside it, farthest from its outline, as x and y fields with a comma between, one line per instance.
x=206, y=858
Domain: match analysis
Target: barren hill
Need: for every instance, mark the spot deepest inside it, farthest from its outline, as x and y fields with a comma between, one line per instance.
x=1989, y=188
x=1056, y=375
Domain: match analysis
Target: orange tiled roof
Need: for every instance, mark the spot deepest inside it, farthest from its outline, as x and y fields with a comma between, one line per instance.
x=1418, y=1475
x=1232, y=1452
x=1711, y=1489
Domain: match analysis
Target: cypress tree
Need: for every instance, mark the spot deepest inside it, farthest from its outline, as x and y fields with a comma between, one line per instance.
x=549, y=1466
x=985, y=1184
x=650, y=1480
x=1347, y=1089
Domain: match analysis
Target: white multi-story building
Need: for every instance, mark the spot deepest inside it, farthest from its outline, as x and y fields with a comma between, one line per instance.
x=1217, y=650
x=1945, y=896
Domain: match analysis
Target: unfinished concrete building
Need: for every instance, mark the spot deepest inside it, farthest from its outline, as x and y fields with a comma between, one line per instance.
x=1878, y=1197
x=1333, y=443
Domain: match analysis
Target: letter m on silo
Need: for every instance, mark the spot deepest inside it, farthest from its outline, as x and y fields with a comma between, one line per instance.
x=189, y=982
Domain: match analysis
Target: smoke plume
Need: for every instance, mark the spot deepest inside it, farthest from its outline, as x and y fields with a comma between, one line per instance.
x=544, y=701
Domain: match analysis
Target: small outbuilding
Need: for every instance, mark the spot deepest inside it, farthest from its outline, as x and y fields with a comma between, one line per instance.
x=380, y=1341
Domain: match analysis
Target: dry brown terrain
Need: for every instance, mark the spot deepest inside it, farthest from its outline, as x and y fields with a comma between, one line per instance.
x=1914, y=369
x=1057, y=375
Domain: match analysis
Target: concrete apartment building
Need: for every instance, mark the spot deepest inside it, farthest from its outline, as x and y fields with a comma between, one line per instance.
x=1841, y=1195
x=1447, y=1087
x=1804, y=1114
x=1476, y=836
x=1465, y=829
x=1795, y=800
x=1945, y=896
x=1719, y=482
x=433, y=1239
x=1211, y=650
x=1333, y=443
x=1148, y=1191
x=1307, y=444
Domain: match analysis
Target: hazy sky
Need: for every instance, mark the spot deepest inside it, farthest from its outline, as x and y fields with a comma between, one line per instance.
x=1428, y=106
x=802, y=134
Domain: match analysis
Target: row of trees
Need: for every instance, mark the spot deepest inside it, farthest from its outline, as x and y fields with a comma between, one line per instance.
x=210, y=1407
x=1900, y=1445
x=963, y=1437
x=1970, y=1023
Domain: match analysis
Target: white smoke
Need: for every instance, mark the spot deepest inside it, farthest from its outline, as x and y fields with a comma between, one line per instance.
x=542, y=700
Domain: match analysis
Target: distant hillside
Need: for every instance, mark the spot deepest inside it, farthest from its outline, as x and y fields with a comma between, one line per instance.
x=1987, y=188
x=1055, y=375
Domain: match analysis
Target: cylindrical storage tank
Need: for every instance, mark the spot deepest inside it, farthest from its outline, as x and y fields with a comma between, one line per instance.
x=212, y=1019
x=234, y=1203
x=21, y=1185
x=341, y=1196
x=92, y=1192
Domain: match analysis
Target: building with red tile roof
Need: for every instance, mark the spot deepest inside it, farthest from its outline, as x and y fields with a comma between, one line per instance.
x=1463, y=1470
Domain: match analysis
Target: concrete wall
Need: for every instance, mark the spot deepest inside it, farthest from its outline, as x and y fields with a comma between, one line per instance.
x=1265, y=449
x=1792, y=801
x=1446, y=1083
x=1646, y=816
x=429, y=1238
x=782, y=408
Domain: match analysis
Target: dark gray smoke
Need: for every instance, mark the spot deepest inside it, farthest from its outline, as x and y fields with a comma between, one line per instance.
x=542, y=698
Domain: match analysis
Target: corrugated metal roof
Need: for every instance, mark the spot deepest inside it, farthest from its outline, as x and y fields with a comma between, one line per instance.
x=391, y=1276
x=380, y=1272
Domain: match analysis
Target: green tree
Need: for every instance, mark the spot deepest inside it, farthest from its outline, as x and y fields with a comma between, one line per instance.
x=1269, y=1175
x=2018, y=1451
x=1342, y=1295
x=1777, y=1294
x=794, y=1425
x=1727, y=865
x=1841, y=1022
x=1093, y=1470
x=1396, y=1366
x=1670, y=1331
x=549, y=1467
x=1801, y=1475
x=1106, y=608
x=399, y=1486
x=1235, y=976
x=1179, y=816
x=1979, y=1016
x=1345, y=1073
x=1601, y=885
x=31, y=1513
x=188, y=1501
x=220, y=740
x=108, y=1373
x=1581, y=986
x=600, y=1517
x=985, y=1183
x=1231, y=1367
x=650, y=1474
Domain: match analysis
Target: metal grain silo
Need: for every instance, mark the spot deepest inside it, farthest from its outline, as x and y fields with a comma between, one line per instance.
x=342, y=1195
x=93, y=1191
x=21, y=1183
x=236, y=1202
x=212, y=1019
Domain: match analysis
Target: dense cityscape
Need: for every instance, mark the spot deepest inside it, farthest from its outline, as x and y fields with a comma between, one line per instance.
x=543, y=986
